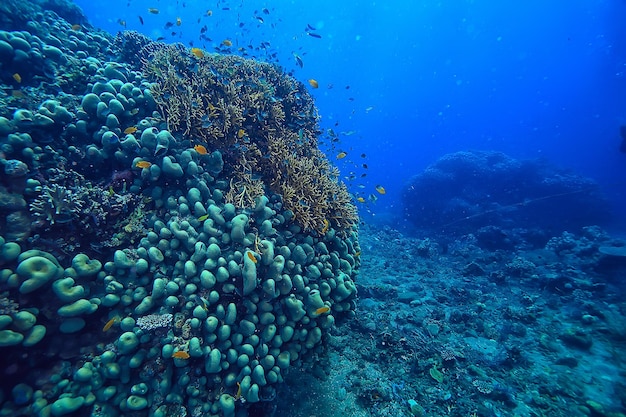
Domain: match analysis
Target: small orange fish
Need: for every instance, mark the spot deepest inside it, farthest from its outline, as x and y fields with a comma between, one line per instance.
x=227, y=42
x=241, y=133
x=143, y=164
x=341, y=155
x=76, y=27
x=130, y=130
x=110, y=323
x=17, y=77
x=199, y=53
x=252, y=257
x=179, y=21
x=322, y=310
x=326, y=226
x=181, y=354
x=200, y=149
x=313, y=83
x=381, y=189
x=153, y=10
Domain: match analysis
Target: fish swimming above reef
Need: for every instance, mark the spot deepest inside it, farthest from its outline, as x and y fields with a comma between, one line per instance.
x=321, y=310
x=181, y=354
x=153, y=10
x=197, y=52
x=110, y=323
x=298, y=60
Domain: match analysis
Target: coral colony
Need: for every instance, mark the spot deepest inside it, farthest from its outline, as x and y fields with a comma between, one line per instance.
x=175, y=214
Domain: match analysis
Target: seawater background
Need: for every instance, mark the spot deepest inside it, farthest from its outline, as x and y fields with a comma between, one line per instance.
x=405, y=82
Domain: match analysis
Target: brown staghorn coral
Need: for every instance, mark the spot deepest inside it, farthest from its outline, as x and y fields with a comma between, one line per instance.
x=263, y=122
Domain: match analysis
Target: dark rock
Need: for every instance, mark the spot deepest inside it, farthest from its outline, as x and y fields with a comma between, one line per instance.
x=465, y=191
x=576, y=339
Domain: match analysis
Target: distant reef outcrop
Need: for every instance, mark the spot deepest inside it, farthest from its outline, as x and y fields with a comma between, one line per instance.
x=475, y=191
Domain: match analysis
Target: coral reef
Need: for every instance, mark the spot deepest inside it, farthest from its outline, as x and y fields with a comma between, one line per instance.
x=172, y=239
x=263, y=124
x=465, y=191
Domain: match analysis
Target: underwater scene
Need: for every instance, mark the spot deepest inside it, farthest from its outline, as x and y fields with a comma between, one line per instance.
x=237, y=208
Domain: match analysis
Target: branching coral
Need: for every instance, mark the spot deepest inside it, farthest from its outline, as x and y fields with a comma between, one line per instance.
x=56, y=204
x=263, y=122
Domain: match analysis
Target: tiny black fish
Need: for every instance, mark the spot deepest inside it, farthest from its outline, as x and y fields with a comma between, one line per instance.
x=309, y=27
x=169, y=25
x=140, y=19
x=314, y=35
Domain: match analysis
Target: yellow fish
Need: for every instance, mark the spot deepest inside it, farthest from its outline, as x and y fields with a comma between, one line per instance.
x=322, y=310
x=110, y=323
x=360, y=199
x=17, y=77
x=241, y=133
x=326, y=226
x=381, y=189
x=203, y=217
x=179, y=21
x=252, y=257
x=143, y=164
x=313, y=83
x=130, y=130
x=199, y=53
x=341, y=155
x=200, y=149
x=181, y=354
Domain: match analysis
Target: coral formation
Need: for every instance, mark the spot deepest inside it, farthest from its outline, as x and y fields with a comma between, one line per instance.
x=264, y=125
x=465, y=191
x=172, y=213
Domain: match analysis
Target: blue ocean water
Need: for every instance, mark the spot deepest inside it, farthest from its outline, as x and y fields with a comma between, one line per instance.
x=407, y=82
x=480, y=142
